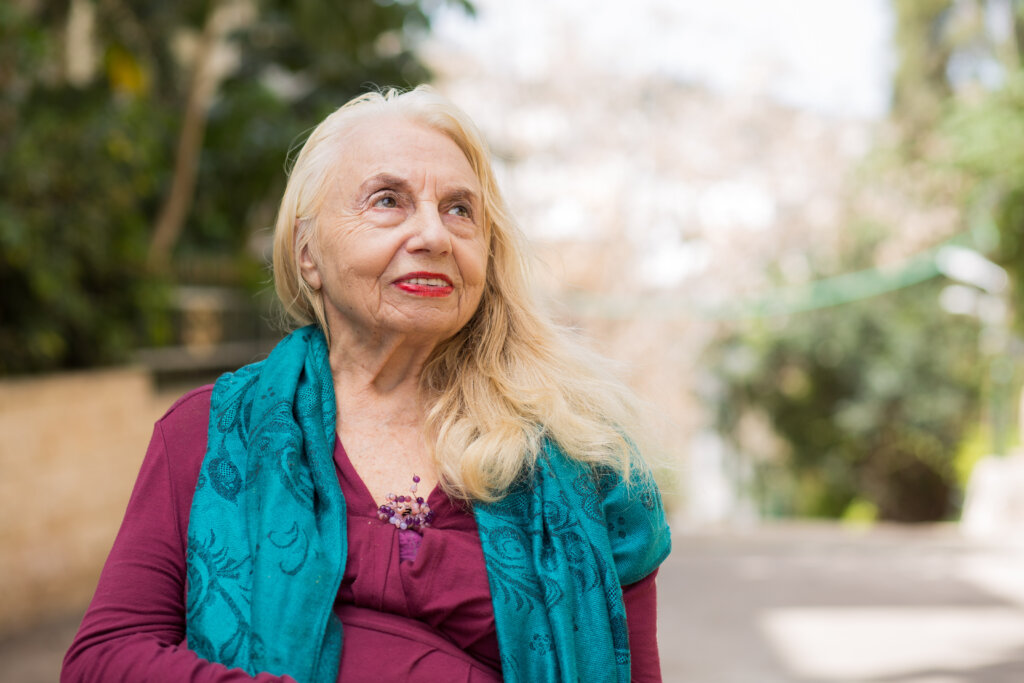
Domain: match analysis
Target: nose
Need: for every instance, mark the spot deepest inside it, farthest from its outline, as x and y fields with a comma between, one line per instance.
x=429, y=231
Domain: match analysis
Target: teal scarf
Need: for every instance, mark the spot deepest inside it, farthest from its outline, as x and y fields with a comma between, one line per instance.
x=267, y=540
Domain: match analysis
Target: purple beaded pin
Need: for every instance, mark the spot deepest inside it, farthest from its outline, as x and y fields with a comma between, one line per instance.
x=406, y=512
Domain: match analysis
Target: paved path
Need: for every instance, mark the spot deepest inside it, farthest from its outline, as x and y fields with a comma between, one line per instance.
x=819, y=603
x=792, y=604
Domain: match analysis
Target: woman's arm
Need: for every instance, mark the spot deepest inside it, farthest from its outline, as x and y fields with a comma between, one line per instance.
x=641, y=600
x=135, y=626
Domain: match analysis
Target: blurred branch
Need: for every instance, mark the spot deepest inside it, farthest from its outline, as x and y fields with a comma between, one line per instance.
x=224, y=17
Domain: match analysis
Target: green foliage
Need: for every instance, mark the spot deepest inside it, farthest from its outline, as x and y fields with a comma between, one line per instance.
x=81, y=174
x=987, y=135
x=88, y=161
x=985, y=140
x=960, y=107
x=860, y=512
x=973, y=448
x=870, y=399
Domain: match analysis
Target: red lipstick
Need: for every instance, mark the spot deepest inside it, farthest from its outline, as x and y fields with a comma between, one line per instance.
x=422, y=283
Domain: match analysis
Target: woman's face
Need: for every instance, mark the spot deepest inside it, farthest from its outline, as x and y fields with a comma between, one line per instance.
x=401, y=241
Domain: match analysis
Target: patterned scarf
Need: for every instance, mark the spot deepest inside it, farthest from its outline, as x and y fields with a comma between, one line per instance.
x=267, y=539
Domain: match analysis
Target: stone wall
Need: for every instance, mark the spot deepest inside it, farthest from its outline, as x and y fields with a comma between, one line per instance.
x=70, y=450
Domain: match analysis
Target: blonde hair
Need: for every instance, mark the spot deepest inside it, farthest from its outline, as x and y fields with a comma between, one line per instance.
x=510, y=376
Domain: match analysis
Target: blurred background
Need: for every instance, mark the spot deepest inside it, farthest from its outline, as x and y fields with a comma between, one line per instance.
x=797, y=224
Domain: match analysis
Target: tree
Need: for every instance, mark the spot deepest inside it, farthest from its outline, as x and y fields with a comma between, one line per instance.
x=870, y=400
x=959, y=94
x=296, y=62
x=920, y=87
x=81, y=174
x=140, y=138
x=982, y=138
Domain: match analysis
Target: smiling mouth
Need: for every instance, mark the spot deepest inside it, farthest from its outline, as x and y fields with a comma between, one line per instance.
x=425, y=284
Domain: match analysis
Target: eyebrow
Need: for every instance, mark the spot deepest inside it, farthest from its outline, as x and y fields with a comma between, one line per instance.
x=382, y=180
x=463, y=195
x=375, y=182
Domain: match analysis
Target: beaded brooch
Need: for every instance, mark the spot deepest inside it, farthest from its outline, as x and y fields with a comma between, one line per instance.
x=406, y=512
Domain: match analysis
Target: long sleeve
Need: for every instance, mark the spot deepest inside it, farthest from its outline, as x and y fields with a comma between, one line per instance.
x=641, y=599
x=134, y=629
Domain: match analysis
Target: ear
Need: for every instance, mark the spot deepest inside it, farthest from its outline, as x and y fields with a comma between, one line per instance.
x=308, y=267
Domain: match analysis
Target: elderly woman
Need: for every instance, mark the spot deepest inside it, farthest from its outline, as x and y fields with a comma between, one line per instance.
x=428, y=481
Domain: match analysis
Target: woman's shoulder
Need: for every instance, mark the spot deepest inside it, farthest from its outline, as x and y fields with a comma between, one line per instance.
x=181, y=434
x=189, y=411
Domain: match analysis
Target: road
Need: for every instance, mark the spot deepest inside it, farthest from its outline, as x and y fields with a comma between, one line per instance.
x=797, y=603
x=823, y=603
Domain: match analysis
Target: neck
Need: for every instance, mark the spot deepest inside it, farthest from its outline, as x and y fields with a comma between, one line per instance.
x=380, y=412
x=381, y=367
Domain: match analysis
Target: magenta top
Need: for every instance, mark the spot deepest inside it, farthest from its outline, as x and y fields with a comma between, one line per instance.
x=411, y=607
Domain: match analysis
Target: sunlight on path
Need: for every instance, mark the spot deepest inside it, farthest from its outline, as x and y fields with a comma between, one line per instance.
x=879, y=643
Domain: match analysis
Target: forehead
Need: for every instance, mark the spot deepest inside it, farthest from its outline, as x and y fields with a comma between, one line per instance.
x=401, y=146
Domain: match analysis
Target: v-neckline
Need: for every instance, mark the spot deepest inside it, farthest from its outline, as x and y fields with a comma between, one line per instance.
x=433, y=499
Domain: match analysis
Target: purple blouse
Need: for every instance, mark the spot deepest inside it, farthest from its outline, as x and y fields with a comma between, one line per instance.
x=427, y=617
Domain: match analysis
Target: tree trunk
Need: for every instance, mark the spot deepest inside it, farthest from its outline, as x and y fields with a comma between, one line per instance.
x=202, y=87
